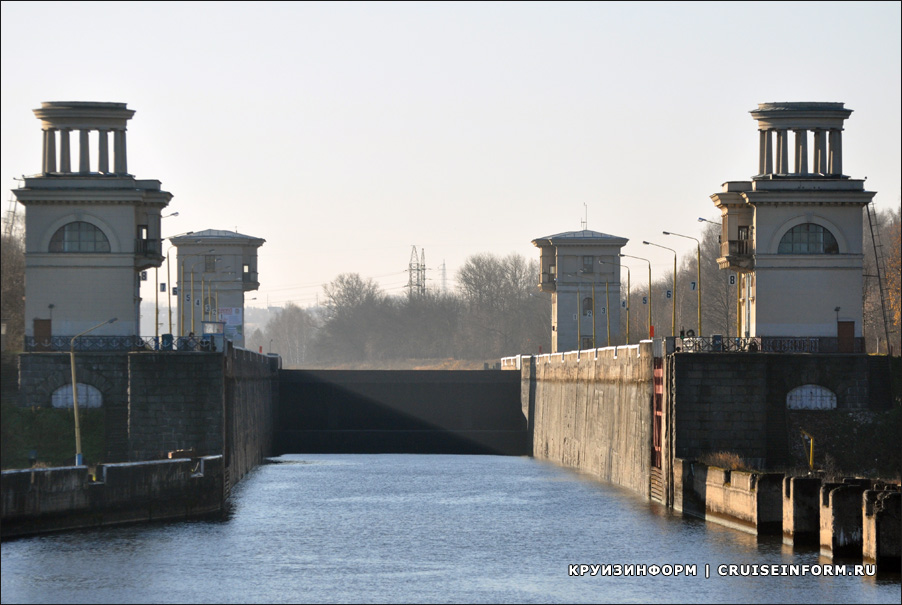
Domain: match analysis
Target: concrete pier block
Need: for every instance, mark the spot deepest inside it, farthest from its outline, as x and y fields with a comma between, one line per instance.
x=801, y=510
x=881, y=529
x=841, y=520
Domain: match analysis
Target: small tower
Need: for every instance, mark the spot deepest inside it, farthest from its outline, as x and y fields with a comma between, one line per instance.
x=90, y=226
x=581, y=270
x=215, y=269
x=794, y=232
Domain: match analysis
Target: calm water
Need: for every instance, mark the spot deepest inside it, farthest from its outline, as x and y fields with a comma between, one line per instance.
x=378, y=528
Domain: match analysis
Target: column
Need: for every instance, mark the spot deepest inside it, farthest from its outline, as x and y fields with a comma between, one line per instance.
x=836, y=151
x=801, y=152
x=49, y=150
x=65, y=165
x=103, y=152
x=120, y=160
x=762, y=153
x=769, y=153
x=820, y=152
x=84, y=152
x=782, y=152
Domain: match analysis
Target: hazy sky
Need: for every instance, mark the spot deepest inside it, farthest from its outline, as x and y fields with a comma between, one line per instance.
x=345, y=133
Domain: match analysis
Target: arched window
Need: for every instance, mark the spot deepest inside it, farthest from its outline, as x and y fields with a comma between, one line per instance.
x=808, y=238
x=79, y=236
x=811, y=397
x=88, y=396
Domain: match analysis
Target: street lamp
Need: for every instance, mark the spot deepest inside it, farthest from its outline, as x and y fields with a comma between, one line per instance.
x=738, y=288
x=673, y=301
x=79, y=459
x=627, y=297
x=156, y=275
x=650, y=333
x=698, y=266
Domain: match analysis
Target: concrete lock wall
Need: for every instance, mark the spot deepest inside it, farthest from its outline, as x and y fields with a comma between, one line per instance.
x=592, y=411
x=251, y=393
x=399, y=411
x=52, y=499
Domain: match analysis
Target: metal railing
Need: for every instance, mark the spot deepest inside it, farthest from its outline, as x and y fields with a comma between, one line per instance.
x=151, y=247
x=101, y=344
x=737, y=247
x=770, y=344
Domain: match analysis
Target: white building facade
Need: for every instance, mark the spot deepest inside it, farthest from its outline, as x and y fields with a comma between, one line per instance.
x=215, y=269
x=794, y=232
x=581, y=271
x=91, y=228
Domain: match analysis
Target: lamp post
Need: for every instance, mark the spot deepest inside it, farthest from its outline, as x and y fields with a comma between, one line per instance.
x=156, y=295
x=738, y=287
x=673, y=300
x=650, y=334
x=627, y=297
x=79, y=459
x=698, y=268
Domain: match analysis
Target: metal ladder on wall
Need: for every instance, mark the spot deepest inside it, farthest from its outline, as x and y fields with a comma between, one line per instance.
x=880, y=262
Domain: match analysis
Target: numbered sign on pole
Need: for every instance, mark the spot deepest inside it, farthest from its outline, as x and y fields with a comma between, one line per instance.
x=644, y=300
x=732, y=279
x=693, y=285
x=669, y=294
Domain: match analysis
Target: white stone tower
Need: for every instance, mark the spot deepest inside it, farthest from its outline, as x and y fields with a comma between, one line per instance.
x=794, y=232
x=219, y=266
x=581, y=270
x=90, y=227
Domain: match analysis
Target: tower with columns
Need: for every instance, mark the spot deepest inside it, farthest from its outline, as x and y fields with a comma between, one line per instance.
x=90, y=229
x=794, y=232
x=581, y=271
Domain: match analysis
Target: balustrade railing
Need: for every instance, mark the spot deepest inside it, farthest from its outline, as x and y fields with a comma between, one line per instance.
x=120, y=343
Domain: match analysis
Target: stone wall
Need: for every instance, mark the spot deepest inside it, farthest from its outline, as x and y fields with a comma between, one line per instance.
x=40, y=374
x=736, y=402
x=52, y=499
x=158, y=402
x=592, y=411
x=175, y=403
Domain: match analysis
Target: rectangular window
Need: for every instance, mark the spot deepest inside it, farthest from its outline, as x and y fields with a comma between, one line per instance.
x=209, y=263
x=588, y=264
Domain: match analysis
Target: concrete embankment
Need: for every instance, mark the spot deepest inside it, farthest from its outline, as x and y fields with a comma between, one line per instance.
x=53, y=499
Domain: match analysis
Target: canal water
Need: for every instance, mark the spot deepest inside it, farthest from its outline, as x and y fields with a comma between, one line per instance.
x=420, y=528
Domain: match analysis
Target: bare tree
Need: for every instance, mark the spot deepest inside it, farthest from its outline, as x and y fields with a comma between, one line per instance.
x=12, y=294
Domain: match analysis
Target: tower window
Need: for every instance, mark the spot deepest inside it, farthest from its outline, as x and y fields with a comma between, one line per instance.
x=808, y=238
x=79, y=236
